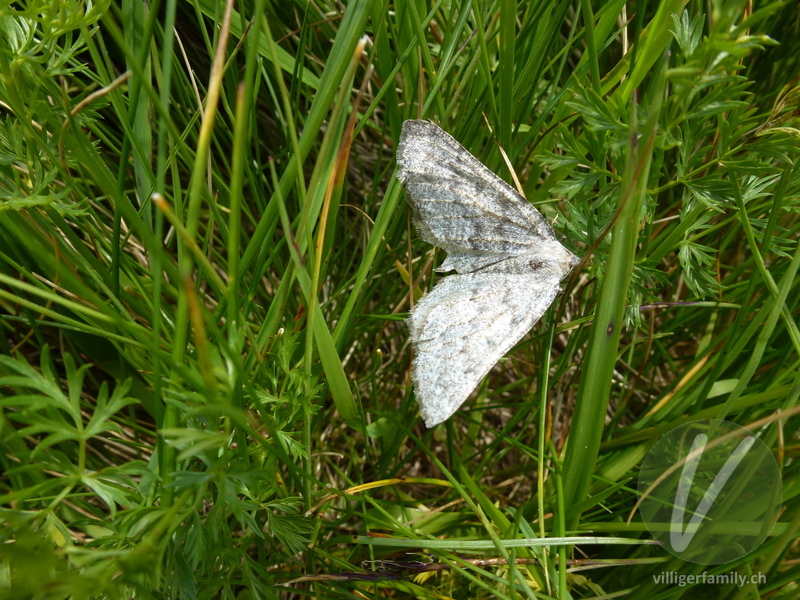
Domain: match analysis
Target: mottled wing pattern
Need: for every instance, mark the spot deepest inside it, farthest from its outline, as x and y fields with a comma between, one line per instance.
x=464, y=326
x=507, y=256
x=459, y=204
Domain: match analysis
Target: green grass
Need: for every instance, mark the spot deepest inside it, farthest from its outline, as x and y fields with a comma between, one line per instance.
x=205, y=263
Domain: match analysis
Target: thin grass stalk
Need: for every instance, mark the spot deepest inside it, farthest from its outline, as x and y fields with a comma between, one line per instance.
x=601, y=355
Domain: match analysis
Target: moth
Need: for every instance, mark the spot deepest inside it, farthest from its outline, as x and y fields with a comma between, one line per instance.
x=507, y=260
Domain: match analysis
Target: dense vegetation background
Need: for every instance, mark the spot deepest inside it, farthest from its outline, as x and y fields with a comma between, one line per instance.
x=205, y=263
